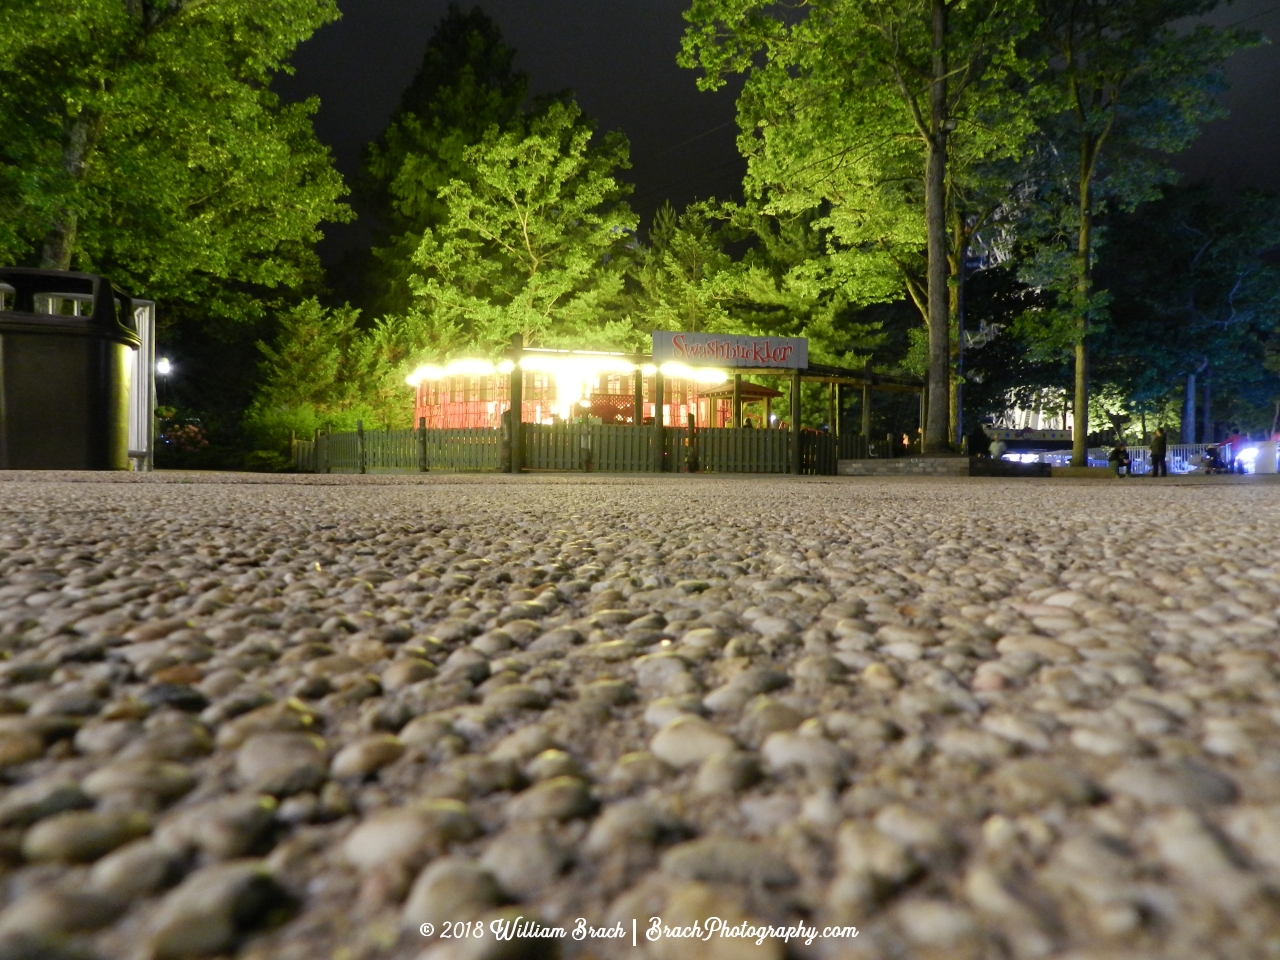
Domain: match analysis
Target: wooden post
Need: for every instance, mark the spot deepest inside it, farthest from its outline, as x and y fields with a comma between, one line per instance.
x=422, y=444
x=328, y=434
x=658, y=439
x=924, y=412
x=516, y=394
x=637, y=404
x=795, y=422
x=360, y=457
x=866, y=413
x=691, y=458
x=737, y=400
x=833, y=403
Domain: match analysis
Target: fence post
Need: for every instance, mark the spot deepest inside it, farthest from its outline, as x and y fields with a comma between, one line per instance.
x=637, y=403
x=422, y=444
x=659, y=440
x=737, y=401
x=360, y=458
x=795, y=422
x=516, y=393
x=691, y=459
x=328, y=437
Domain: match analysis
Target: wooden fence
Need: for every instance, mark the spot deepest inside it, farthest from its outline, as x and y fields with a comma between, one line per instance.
x=607, y=448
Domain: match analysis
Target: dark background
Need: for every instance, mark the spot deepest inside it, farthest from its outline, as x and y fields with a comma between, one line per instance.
x=619, y=59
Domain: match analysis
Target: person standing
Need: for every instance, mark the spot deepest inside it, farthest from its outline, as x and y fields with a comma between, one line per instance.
x=1159, y=450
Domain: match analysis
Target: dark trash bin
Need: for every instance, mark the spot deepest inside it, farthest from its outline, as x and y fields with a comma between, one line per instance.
x=66, y=342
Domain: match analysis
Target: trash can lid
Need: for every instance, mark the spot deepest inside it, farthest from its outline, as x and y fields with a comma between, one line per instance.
x=111, y=316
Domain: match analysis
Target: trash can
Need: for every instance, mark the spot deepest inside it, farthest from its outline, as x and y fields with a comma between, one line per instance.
x=67, y=344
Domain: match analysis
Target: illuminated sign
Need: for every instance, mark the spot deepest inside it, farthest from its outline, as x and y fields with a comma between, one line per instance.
x=730, y=350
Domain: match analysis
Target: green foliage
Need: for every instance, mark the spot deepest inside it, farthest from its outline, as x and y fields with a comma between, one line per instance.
x=465, y=85
x=142, y=140
x=534, y=244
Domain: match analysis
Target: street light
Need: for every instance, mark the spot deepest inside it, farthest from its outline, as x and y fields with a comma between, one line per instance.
x=164, y=367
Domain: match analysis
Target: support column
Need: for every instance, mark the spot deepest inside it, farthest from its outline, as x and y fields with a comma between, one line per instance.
x=866, y=413
x=658, y=438
x=833, y=405
x=737, y=400
x=795, y=423
x=637, y=403
x=422, y=445
x=516, y=394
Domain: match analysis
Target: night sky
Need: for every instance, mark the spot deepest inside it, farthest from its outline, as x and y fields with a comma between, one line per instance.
x=619, y=59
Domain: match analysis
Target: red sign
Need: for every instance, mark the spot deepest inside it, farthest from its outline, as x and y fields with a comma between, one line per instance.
x=730, y=350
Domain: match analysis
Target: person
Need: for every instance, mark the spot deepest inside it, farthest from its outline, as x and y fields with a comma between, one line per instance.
x=997, y=448
x=1159, y=450
x=747, y=424
x=1213, y=462
x=979, y=442
x=1119, y=459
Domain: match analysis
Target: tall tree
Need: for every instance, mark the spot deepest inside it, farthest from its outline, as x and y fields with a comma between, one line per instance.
x=466, y=84
x=535, y=242
x=1135, y=84
x=142, y=139
x=1193, y=298
x=856, y=104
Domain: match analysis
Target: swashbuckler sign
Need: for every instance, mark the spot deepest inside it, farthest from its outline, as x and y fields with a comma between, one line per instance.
x=730, y=350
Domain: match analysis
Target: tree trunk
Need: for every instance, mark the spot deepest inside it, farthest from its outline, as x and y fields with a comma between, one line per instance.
x=1189, y=411
x=1080, y=428
x=1207, y=428
x=59, y=245
x=935, y=212
x=959, y=250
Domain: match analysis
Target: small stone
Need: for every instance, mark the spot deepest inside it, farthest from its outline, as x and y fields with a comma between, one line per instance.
x=52, y=912
x=1107, y=743
x=814, y=754
x=137, y=869
x=405, y=672
x=281, y=763
x=1033, y=783
x=727, y=773
x=516, y=696
x=688, y=740
x=366, y=755
x=865, y=851
x=1185, y=784
x=425, y=731
x=18, y=747
x=552, y=763
x=81, y=836
x=663, y=710
x=560, y=798
x=177, y=695
x=632, y=823
x=727, y=860
x=774, y=628
x=876, y=676
x=24, y=805
x=935, y=923
x=765, y=716
x=104, y=738
x=450, y=889
x=289, y=715
x=408, y=834
x=523, y=744
x=639, y=769
x=524, y=859
x=212, y=908
x=221, y=829
x=819, y=668
x=973, y=745
x=165, y=781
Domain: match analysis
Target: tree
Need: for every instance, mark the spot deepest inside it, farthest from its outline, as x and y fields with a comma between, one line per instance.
x=142, y=140
x=1134, y=85
x=855, y=105
x=465, y=85
x=1193, y=299
x=535, y=244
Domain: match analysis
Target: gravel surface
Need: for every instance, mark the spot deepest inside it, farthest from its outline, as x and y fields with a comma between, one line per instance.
x=298, y=718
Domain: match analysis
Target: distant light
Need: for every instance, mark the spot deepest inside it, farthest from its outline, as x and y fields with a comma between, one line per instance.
x=773, y=418
x=1249, y=454
x=164, y=367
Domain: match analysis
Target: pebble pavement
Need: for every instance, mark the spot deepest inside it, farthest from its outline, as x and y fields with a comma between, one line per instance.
x=299, y=718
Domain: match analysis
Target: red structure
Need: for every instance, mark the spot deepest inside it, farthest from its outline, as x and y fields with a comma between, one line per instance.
x=478, y=401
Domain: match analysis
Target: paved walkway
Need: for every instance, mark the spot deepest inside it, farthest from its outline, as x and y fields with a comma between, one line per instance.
x=300, y=718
